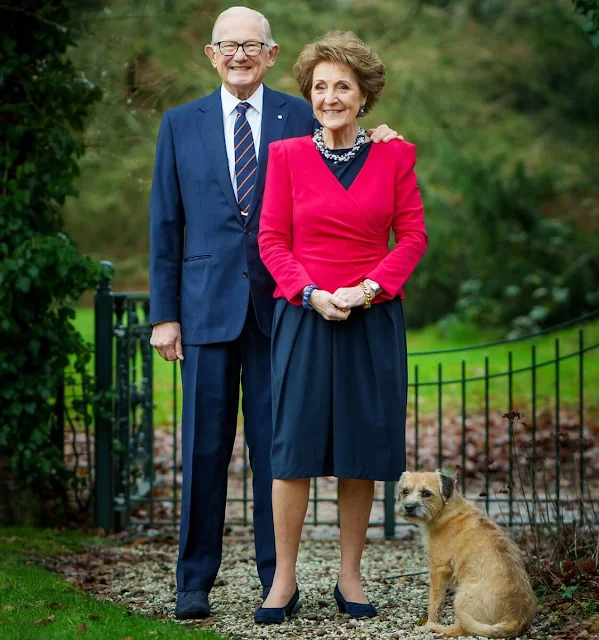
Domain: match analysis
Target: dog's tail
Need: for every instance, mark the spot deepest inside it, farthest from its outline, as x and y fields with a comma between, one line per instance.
x=506, y=629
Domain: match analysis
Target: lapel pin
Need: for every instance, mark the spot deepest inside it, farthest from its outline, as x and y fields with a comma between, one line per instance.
x=280, y=117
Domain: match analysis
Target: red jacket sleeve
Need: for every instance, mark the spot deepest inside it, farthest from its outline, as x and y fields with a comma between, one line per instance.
x=276, y=228
x=408, y=226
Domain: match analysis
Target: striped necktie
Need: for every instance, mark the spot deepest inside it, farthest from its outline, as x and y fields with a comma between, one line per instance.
x=246, y=164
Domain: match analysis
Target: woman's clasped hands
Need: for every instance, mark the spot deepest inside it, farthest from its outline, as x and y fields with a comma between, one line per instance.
x=338, y=305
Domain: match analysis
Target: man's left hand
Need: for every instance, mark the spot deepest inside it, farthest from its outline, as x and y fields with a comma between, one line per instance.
x=383, y=133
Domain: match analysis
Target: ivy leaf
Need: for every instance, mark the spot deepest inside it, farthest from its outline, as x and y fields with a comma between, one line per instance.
x=41, y=272
x=23, y=284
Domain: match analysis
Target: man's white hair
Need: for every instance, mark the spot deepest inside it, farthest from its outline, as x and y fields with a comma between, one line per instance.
x=266, y=31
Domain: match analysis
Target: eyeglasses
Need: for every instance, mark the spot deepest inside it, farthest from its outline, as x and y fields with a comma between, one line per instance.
x=251, y=48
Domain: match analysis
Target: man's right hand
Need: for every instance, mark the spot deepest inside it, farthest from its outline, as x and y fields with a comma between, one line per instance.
x=166, y=339
x=330, y=307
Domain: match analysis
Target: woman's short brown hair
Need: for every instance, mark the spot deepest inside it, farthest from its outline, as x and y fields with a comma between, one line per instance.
x=342, y=47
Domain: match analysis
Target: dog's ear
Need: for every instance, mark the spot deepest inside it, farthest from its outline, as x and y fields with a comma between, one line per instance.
x=403, y=476
x=446, y=485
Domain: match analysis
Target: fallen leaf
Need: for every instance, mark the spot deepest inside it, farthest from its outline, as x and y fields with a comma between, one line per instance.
x=41, y=622
x=81, y=628
x=587, y=565
x=55, y=605
x=94, y=618
x=7, y=607
x=594, y=626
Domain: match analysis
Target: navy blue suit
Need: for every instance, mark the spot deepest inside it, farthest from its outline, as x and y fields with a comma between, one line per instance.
x=206, y=273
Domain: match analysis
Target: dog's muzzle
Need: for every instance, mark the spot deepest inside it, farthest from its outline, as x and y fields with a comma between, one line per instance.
x=414, y=509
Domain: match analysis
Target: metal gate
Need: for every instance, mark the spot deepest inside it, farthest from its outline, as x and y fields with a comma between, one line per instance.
x=515, y=420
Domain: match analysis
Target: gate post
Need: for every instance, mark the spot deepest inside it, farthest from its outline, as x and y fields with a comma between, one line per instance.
x=389, y=510
x=103, y=414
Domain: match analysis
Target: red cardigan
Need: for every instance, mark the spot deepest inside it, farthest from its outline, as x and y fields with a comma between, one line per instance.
x=314, y=231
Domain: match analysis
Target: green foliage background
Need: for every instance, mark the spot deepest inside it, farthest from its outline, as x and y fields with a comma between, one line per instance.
x=45, y=104
x=590, y=10
x=501, y=99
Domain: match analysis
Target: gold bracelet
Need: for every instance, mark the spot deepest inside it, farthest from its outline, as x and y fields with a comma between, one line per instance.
x=367, y=296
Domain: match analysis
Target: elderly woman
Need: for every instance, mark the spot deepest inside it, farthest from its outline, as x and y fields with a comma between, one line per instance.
x=339, y=378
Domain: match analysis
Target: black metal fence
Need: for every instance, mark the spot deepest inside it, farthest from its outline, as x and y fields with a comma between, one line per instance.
x=542, y=465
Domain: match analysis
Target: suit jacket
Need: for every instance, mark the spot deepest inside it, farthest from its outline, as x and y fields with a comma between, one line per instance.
x=314, y=231
x=204, y=258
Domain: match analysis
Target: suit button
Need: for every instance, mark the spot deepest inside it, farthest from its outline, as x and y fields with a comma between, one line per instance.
x=248, y=232
x=245, y=274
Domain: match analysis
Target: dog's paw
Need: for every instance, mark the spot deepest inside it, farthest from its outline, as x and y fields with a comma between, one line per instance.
x=425, y=625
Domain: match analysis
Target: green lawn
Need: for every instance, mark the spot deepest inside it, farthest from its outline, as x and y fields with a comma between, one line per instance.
x=35, y=603
x=429, y=368
x=551, y=381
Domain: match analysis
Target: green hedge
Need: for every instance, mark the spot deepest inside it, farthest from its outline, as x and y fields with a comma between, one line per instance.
x=45, y=104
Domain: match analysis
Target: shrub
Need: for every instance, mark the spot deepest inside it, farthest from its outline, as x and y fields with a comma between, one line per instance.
x=527, y=269
x=44, y=109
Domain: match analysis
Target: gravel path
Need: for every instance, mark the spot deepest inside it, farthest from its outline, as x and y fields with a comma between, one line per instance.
x=140, y=575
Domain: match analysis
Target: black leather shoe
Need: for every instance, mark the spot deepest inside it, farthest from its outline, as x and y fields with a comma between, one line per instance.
x=354, y=609
x=277, y=615
x=192, y=605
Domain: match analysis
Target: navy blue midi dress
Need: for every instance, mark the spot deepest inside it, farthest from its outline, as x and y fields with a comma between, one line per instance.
x=339, y=388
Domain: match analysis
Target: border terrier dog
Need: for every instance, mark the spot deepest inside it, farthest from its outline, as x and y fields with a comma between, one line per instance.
x=471, y=554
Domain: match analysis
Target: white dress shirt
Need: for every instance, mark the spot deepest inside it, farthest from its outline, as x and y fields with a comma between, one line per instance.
x=254, y=116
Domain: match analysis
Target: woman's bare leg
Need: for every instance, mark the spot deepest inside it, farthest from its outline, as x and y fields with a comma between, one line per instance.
x=355, y=504
x=289, y=506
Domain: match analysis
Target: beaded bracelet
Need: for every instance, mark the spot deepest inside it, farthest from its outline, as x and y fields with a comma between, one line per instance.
x=306, y=296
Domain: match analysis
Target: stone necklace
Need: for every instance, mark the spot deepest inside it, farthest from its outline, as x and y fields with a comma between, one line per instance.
x=334, y=157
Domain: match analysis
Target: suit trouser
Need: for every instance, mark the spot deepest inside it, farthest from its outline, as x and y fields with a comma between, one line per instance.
x=211, y=375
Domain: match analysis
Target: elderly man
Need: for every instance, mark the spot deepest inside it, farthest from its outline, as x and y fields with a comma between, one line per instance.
x=211, y=296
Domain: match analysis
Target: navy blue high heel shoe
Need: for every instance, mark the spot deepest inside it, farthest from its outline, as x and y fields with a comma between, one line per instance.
x=354, y=609
x=277, y=615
